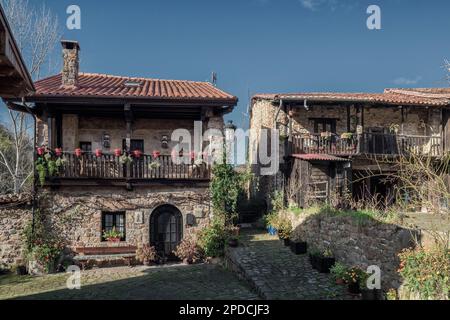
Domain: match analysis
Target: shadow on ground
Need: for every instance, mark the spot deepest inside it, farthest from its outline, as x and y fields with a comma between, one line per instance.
x=177, y=282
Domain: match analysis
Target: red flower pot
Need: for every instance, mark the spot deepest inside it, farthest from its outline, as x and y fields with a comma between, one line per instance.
x=58, y=152
x=137, y=153
x=40, y=151
x=78, y=152
x=117, y=152
x=156, y=154
x=192, y=154
x=98, y=153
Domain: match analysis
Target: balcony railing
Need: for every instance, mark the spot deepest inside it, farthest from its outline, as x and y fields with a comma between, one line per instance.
x=368, y=143
x=316, y=143
x=146, y=167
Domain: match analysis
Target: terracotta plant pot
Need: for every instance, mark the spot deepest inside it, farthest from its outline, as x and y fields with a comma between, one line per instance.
x=58, y=152
x=78, y=152
x=137, y=153
x=40, y=151
x=113, y=239
x=117, y=152
x=156, y=154
x=98, y=153
x=340, y=281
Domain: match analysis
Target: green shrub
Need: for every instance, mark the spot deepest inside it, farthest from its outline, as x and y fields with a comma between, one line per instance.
x=426, y=272
x=338, y=271
x=284, y=228
x=212, y=239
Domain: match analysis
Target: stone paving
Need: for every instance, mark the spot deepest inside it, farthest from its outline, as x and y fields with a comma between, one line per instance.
x=176, y=282
x=277, y=273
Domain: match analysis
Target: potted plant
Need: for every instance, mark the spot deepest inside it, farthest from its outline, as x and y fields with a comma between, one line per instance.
x=325, y=135
x=125, y=159
x=233, y=241
x=156, y=154
x=137, y=153
x=284, y=230
x=112, y=235
x=366, y=293
x=313, y=257
x=235, y=230
x=338, y=272
x=78, y=152
x=117, y=152
x=58, y=152
x=347, y=136
x=353, y=278
x=299, y=247
x=154, y=165
x=40, y=151
x=325, y=261
x=98, y=153
x=146, y=254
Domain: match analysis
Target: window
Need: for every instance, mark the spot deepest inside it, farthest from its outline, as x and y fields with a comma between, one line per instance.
x=86, y=146
x=324, y=125
x=135, y=144
x=112, y=220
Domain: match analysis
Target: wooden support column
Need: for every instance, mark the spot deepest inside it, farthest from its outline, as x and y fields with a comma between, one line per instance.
x=51, y=131
x=348, y=119
x=129, y=122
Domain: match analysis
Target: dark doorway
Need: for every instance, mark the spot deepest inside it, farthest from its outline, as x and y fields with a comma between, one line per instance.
x=166, y=230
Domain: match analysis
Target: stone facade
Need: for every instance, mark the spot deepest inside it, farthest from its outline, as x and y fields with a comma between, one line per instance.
x=70, y=63
x=357, y=244
x=77, y=213
x=13, y=220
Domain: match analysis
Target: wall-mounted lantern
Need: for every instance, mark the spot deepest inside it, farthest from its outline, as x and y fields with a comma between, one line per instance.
x=106, y=141
x=165, y=142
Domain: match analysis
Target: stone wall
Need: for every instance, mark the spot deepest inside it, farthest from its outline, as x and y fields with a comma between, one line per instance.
x=13, y=220
x=356, y=244
x=76, y=214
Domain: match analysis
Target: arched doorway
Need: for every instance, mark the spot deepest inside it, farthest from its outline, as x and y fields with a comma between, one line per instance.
x=166, y=229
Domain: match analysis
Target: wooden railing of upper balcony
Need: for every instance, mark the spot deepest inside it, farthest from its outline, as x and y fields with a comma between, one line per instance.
x=367, y=143
x=109, y=166
x=316, y=143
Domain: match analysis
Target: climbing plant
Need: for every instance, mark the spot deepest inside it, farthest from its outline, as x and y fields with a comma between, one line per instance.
x=226, y=186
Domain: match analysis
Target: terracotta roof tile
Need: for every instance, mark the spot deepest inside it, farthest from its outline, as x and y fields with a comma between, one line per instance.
x=318, y=157
x=108, y=86
x=426, y=97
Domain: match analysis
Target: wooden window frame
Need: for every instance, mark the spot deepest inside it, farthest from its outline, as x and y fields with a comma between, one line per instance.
x=114, y=223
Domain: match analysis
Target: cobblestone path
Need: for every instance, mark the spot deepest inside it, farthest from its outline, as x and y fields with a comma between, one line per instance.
x=176, y=282
x=277, y=273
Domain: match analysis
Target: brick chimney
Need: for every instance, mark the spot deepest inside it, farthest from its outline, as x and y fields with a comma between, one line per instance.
x=71, y=67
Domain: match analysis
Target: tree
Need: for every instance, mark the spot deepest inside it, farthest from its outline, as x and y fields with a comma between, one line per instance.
x=36, y=32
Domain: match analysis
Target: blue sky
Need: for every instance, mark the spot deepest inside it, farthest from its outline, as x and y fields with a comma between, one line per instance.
x=263, y=46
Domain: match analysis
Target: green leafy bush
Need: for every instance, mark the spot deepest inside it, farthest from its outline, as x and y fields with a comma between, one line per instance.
x=338, y=271
x=284, y=228
x=212, y=239
x=189, y=251
x=426, y=272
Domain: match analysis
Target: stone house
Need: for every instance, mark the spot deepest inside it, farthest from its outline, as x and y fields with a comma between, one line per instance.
x=330, y=141
x=114, y=136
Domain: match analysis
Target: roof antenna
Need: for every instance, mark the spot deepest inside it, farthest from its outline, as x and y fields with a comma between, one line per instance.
x=214, y=78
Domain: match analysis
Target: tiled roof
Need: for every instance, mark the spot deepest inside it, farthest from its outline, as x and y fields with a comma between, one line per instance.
x=434, y=97
x=108, y=86
x=318, y=157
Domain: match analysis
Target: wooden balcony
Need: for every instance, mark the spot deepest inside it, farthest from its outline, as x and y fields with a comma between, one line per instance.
x=109, y=168
x=367, y=143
